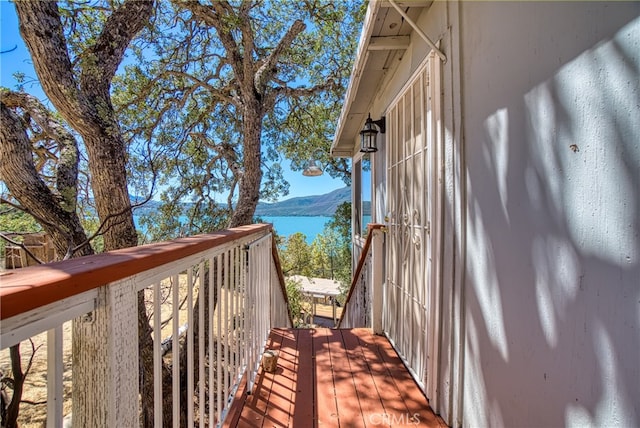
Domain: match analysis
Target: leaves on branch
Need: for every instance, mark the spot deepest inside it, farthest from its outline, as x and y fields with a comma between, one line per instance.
x=208, y=74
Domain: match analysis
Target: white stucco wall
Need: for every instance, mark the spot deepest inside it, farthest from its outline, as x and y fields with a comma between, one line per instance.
x=550, y=109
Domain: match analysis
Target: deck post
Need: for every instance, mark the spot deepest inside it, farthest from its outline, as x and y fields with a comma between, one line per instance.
x=105, y=369
x=377, y=261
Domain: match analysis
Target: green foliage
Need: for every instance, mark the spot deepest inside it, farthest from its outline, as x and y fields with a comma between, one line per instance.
x=83, y=22
x=179, y=106
x=18, y=221
x=90, y=222
x=297, y=303
x=338, y=237
x=341, y=222
x=296, y=256
x=12, y=220
x=323, y=251
x=331, y=256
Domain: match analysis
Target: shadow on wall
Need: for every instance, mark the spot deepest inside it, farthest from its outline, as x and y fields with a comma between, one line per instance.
x=553, y=233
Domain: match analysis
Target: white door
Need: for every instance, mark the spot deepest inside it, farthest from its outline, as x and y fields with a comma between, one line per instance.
x=410, y=299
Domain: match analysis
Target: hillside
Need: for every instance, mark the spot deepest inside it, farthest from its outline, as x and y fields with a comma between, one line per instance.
x=318, y=205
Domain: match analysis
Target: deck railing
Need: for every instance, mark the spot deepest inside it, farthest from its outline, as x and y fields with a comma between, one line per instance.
x=212, y=300
x=363, y=306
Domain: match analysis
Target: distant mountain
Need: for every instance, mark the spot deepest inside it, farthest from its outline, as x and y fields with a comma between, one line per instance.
x=319, y=205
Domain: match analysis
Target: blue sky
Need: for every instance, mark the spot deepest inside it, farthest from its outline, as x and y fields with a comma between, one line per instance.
x=19, y=60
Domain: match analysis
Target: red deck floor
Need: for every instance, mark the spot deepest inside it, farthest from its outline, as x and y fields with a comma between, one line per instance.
x=333, y=378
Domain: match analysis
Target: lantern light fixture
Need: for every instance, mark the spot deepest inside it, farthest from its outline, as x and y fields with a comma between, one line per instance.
x=313, y=168
x=369, y=133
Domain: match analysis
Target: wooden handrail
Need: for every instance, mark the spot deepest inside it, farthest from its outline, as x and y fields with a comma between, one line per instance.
x=363, y=257
x=29, y=288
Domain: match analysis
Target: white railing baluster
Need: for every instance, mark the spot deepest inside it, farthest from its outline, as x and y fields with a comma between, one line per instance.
x=240, y=314
x=243, y=311
x=225, y=353
x=260, y=295
x=212, y=336
x=263, y=332
x=201, y=350
x=175, y=348
x=259, y=254
x=234, y=337
x=250, y=301
x=55, y=370
x=157, y=355
x=219, y=341
x=190, y=370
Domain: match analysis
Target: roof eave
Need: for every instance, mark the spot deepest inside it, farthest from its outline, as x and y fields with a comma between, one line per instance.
x=346, y=148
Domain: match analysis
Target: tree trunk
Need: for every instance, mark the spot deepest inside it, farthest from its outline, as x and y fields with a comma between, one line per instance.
x=85, y=103
x=18, y=385
x=109, y=183
x=18, y=171
x=249, y=189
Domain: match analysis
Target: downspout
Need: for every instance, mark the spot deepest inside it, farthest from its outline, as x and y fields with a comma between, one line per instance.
x=418, y=30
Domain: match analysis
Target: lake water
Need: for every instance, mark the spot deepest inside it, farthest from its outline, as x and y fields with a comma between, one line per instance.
x=309, y=226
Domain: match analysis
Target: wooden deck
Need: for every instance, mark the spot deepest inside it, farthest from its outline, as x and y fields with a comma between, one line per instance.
x=333, y=378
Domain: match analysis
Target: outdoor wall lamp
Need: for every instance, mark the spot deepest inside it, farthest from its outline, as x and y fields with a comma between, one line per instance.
x=312, y=169
x=369, y=133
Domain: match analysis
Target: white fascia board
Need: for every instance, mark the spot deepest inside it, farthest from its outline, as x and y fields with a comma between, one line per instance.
x=389, y=43
x=341, y=153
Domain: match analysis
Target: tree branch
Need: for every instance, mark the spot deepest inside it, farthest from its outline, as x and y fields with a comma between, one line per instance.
x=305, y=92
x=214, y=16
x=41, y=29
x=218, y=93
x=121, y=26
x=67, y=163
x=18, y=384
x=41, y=221
x=102, y=229
x=248, y=41
x=267, y=70
x=19, y=174
x=22, y=246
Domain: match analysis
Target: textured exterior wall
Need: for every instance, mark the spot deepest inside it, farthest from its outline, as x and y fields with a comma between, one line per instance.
x=550, y=106
x=540, y=259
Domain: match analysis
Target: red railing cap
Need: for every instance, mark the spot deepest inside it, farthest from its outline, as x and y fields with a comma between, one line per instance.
x=375, y=226
x=24, y=289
